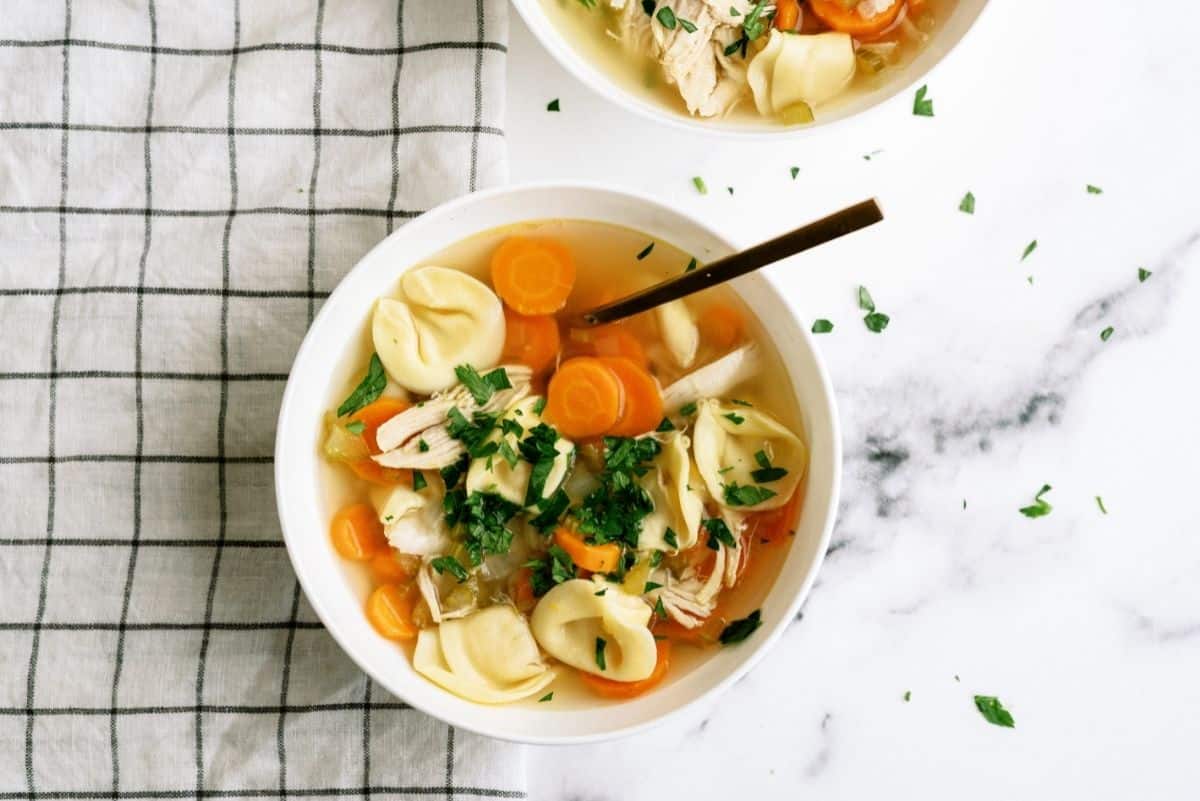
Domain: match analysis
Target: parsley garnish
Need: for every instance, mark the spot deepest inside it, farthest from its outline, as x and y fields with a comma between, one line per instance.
x=473, y=434
x=1106, y=333
x=613, y=512
x=718, y=532
x=356, y=427
x=766, y=472
x=483, y=517
x=1094, y=190
x=795, y=171
x=553, y=568
x=645, y=251
x=739, y=44
x=907, y=696
x=740, y=402
x=451, y=473
x=746, y=495
x=875, y=321
x=688, y=409
x=822, y=326
x=1143, y=274
x=671, y=538
x=418, y=481
x=539, y=450
x=547, y=697
x=698, y=182
x=754, y=25
x=967, y=205
x=687, y=25
x=368, y=390
x=1039, y=507
x=922, y=106
x=666, y=18
x=648, y=6
x=550, y=510
x=422, y=445
x=739, y=630
x=539, y=406
x=1032, y=246
x=733, y=12
x=482, y=387
x=1100, y=503
x=511, y=426
x=659, y=609
x=553, y=105
x=448, y=564
x=650, y=586
x=600, y=593
x=600, y=643
x=665, y=425
x=734, y=418
x=691, y=265
x=993, y=711
x=865, y=301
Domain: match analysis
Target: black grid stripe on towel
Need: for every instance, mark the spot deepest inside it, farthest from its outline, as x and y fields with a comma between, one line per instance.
x=181, y=185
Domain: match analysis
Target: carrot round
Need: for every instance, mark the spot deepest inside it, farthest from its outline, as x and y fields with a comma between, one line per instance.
x=596, y=558
x=530, y=340
x=787, y=14
x=848, y=20
x=721, y=326
x=390, y=608
x=375, y=414
x=533, y=276
x=357, y=533
x=370, y=470
x=612, y=340
x=643, y=400
x=583, y=398
x=608, y=688
x=387, y=569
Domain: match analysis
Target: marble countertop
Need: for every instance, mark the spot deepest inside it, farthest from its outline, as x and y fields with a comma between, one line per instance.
x=991, y=380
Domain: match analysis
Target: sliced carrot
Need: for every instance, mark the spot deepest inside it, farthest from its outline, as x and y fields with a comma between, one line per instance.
x=847, y=20
x=369, y=470
x=584, y=398
x=706, y=633
x=375, y=414
x=721, y=326
x=530, y=340
x=596, y=558
x=776, y=524
x=533, y=276
x=386, y=568
x=787, y=14
x=608, y=688
x=357, y=533
x=522, y=590
x=614, y=340
x=643, y=400
x=390, y=610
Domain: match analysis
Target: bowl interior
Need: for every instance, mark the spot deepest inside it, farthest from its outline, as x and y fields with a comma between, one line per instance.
x=338, y=601
x=946, y=36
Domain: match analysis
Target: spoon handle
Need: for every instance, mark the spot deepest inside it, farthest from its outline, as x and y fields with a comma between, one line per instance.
x=826, y=229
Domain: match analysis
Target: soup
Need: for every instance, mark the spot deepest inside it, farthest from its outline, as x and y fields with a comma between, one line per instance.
x=786, y=62
x=544, y=512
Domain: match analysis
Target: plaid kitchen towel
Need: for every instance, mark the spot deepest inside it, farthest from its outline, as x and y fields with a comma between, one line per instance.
x=181, y=185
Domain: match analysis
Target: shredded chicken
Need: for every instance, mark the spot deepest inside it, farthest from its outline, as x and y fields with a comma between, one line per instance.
x=427, y=584
x=418, y=439
x=735, y=558
x=689, y=600
x=715, y=379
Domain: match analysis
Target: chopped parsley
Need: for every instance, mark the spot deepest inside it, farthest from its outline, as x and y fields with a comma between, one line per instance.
x=482, y=387
x=1032, y=246
x=736, y=45
x=688, y=409
x=553, y=105
x=993, y=711
x=547, y=697
x=1143, y=274
x=739, y=630
x=645, y=251
x=691, y=265
x=877, y=321
x=733, y=12
x=600, y=593
x=687, y=25
x=368, y=390
x=665, y=425
x=473, y=433
x=600, y=662
x=701, y=187
x=740, y=402
x=508, y=454
x=967, y=204
x=1106, y=333
x=821, y=326
x=671, y=538
x=511, y=426
x=865, y=301
x=553, y=568
x=907, y=696
x=1039, y=507
x=747, y=494
x=1094, y=190
x=766, y=472
x=451, y=473
x=648, y=6
x=613, y=512
x=794, y=171
x=734, y=418
x=483, y=518
x=922, y=106
x=656, y=558
x=448, y=564
x=718, y=533
x=754, y=25
x=356, y=427
x=539, y=450
x=666, y=18
x=422, y=445
x=418, y=481
x=550, y=510
x=650, y=586
x=729, y=189
x=539, y=406
x=1100, y=503
x=659, y=609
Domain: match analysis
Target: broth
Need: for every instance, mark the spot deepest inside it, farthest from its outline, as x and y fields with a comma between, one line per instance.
x=607, y=267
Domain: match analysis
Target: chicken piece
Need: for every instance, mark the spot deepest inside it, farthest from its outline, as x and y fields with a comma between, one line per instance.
x=427, y=584
x=689, y=600
x=735, y=558
x=715, y=379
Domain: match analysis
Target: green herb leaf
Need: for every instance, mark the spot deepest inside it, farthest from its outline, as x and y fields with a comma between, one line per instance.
x=687, y=25
x=865, y=301
x=967, y=204
x=650, y=587
x=648, y=6
x=691, y=265
x=671, y=538
x=1106, y=333
x=665, y=425
x=922, y=106
x=448, y=564
x=552, y=105
x=539, y=406
x=821, y=326
x=422, y=445
x=453, y=472
x=739, y=630
x=473, y=433
x=600, y=593
x=871, y=155
x=356, y=427
x=754, y=25
x=368, y=390
x=1039, y=507
x=794, y=171
x=600, y=643
x=553, y=568
x=718, y=532
x=688, y=409
x=482, y=387
x=1094, y=190
x=766, y=472
x=550, y=510
x=993, y=711
x=1100, y=503
x=1143, y=274
x=547, y=697
x=698, y=182
x=734, y=418
x=733, y=12
x=659, y=609
x=666, y=18
x=877, y=321
x=740, y=402
x=907, y=696
x=483, y=519
x=739, y=44
x=1032, y=246
x=418, y=481
x=746, y=495
x=644, y=252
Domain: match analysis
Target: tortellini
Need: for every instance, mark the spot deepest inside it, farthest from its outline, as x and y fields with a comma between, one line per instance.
x=571, y=618
x=678, y=504
x=489, y=657
x=726, y=443
x=679, y=332
x=800, y=68
x=412, y=520
x=511, y=481
x=443, y=318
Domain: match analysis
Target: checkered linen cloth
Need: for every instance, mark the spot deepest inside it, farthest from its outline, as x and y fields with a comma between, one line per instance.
x=181, y=185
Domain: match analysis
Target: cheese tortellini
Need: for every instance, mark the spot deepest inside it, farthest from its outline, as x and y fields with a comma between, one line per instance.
x=678, y=505
x=488, y=657
x=511, y=481
x=571, y=618
x=800, y=68
x=726, y=443
x=443, y=318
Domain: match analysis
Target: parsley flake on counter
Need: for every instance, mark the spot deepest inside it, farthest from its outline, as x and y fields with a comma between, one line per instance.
x=356, y=427
x=877, y=321
x=794, y=171
x=993, y=711
x=448, y=564
x=729, y=189
x=822, y=326
x=552, y=105
x=1040, y=507
x=739, y=630
x=922, y=106
x=871, y=155
x=368, y=390
x=1094, y=190
x=747, y=494
x=907, y=696
x=600, y=662
x=718, y=533
x=1100, y=503
x=967, y=204
x=1106, y=333
x=701, y=187
x=482, y=387
x=547, y=697
x=418, y=481
x=1143, y=274
x=644, y=252
x=1032, y=246
x=865, y=301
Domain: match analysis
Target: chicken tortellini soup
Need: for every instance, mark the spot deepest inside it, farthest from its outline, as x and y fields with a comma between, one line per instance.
x=547, y=513
x=784, y=60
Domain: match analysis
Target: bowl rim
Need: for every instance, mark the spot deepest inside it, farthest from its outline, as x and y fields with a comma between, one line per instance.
x=462, y=721
x=569, y=59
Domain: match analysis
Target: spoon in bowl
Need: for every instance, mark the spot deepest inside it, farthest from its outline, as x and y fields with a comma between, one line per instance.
x=826, y=229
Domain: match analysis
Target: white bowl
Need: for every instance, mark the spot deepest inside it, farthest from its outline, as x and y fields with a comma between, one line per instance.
x=947, y=35
x=339, y=601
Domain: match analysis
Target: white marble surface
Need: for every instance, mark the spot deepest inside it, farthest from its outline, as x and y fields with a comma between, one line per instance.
x=984, y=387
